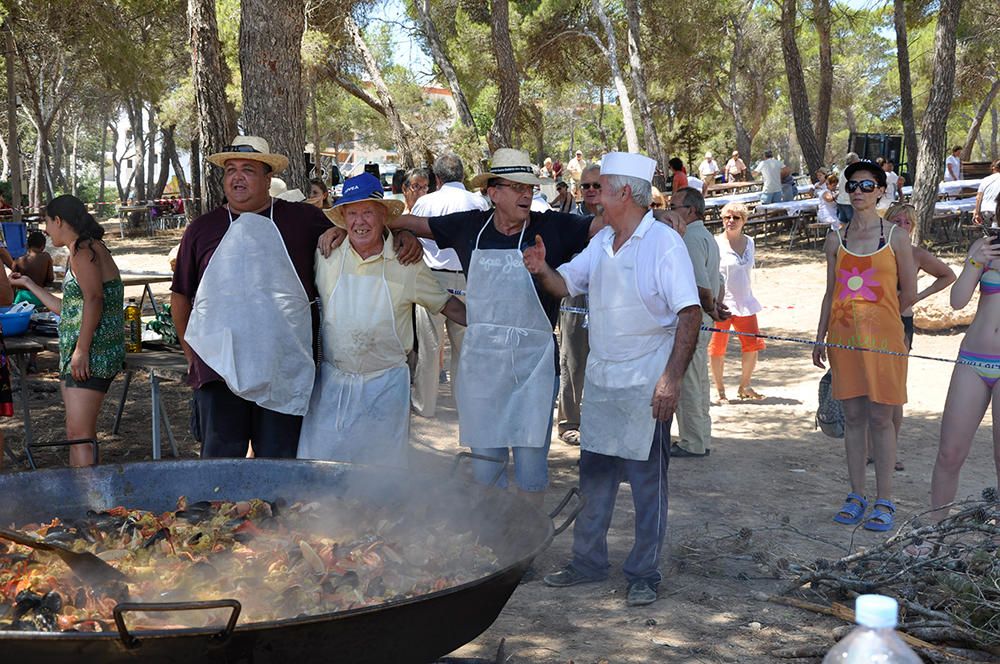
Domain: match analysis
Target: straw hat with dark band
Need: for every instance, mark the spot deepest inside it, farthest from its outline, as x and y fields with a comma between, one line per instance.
x=253, y=148
x=508, y=164
x=364, y=187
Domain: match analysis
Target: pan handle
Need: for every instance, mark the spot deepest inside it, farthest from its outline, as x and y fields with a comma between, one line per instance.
x=575, y=512
x=131, y=641
x=472, y=455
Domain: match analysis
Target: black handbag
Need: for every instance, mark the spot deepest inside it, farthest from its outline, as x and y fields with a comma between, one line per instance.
x=830, y=413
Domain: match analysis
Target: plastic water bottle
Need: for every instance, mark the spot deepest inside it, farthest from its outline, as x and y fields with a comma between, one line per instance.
x=874, y=640
x=133, y=327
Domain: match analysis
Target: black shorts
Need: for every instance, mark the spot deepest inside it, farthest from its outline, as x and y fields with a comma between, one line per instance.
x=907, y=331
x=92, y=383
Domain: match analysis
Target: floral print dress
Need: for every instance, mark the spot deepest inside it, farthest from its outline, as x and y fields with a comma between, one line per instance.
x=865, y=313
x=107, y=350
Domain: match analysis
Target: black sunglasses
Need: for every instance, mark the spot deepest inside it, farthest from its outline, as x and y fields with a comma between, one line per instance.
x=590, y=185
x=240, y=148
x=867, y=186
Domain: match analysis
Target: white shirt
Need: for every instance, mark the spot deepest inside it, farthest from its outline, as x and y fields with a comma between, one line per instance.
x=990, y=189
x=539, y=203
x=891, y=187
x=826, y=211
x=708, y=168
x=663, y=268
x=956, y=165
x=770, y=171
x=695, y=183
x=450, y=198
x=737, y=271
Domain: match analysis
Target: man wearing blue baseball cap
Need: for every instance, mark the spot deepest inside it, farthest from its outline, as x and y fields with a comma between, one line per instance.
x=644, y=319
x=360, y=407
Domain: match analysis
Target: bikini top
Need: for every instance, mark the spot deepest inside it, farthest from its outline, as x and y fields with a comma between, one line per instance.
x=881, y=234
x=989, y=281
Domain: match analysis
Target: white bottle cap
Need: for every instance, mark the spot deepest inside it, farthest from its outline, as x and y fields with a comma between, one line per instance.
x=876, y=611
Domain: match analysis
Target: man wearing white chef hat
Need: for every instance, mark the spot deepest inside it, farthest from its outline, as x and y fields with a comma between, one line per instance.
x=644, y=319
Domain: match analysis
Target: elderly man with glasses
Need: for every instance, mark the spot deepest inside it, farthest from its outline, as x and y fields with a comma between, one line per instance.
x=644, y=323
x=694, y=424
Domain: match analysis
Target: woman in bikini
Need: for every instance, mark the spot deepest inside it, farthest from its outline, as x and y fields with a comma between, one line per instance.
x=973, y=385
x=866, y=260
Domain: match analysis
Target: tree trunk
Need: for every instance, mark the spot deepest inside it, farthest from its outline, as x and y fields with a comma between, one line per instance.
x=102, y=169
x=184, y=189
x=443, y=62
x=508, y=78
x=994, y=133
x=196, y=174
x=933, y=127
x=653, y=148
x=822, y=16
x=611, y=53
x=402, y=134
x=271, y=66
x=133, y=108
x=316, y=137
x=72, y=159
x=154, y=129
x=797, y=88
x=116, y=164
x=166, y=148
x=977, y=122
x=905, y=88
x=216, y=115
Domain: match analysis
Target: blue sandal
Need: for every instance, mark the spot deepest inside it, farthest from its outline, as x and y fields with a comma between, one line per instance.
x=881, y=520
x=853, y=510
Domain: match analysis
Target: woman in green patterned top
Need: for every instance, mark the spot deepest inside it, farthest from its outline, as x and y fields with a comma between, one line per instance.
x=91, y=326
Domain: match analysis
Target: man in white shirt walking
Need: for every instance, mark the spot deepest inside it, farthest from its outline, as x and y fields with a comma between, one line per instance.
x=708, y=169
x=450, y=196
x=953, y=165
x=770, y=172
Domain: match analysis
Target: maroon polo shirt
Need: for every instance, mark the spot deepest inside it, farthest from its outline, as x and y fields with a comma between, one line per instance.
x=300, y=226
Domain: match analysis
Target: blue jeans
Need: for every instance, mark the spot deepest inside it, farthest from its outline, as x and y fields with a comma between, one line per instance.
x=600, y=476
x=789, y=191
x=773, y=197
x=531, y=464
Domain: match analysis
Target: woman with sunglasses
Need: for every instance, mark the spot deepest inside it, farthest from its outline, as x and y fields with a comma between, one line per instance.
x=736, y=253
x=866, y=262
x=973, y=385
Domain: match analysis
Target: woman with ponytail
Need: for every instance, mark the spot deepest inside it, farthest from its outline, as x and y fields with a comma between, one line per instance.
x=91, y=326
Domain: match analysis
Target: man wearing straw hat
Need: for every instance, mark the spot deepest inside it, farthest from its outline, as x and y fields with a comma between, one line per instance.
x=242, y=303
x=507, y=370
x=644, y=319
x=360, y=407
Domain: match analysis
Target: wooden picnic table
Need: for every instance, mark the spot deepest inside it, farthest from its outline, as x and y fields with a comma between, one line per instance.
x=18, y=349
x=125, y=210
x=158, y=361
x=730, y=187
x=131, y=278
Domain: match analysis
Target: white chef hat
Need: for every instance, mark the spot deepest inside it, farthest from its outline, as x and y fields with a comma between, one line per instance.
x=629, y=164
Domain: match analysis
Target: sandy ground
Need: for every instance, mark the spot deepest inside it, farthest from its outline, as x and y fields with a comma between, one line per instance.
x=769, y=472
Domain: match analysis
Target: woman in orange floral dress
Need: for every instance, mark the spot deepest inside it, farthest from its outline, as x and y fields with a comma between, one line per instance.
x=866, y=261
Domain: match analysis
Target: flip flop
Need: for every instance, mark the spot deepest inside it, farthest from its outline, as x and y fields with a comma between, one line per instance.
x=881, y=520
x=853, y=510
x=749, y=394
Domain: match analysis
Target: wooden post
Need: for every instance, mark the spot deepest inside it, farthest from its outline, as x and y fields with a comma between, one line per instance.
x=13, y=151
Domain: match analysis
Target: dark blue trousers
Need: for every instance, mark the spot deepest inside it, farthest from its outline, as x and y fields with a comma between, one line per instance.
x=600, y=476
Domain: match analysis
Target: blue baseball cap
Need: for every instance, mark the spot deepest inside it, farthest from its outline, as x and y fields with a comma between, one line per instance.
x=360, y=188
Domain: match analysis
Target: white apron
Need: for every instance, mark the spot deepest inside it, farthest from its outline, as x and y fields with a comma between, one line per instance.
x=251, y=321
x=506, y=368
x=360, y=409
x=629, y=350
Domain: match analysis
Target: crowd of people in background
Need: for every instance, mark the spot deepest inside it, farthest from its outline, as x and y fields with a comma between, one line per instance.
x=579, y=296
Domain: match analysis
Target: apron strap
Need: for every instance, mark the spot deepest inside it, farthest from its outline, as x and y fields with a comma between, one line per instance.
x=520, y=238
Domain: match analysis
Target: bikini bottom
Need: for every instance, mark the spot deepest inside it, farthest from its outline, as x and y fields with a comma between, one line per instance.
x=987, y=366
